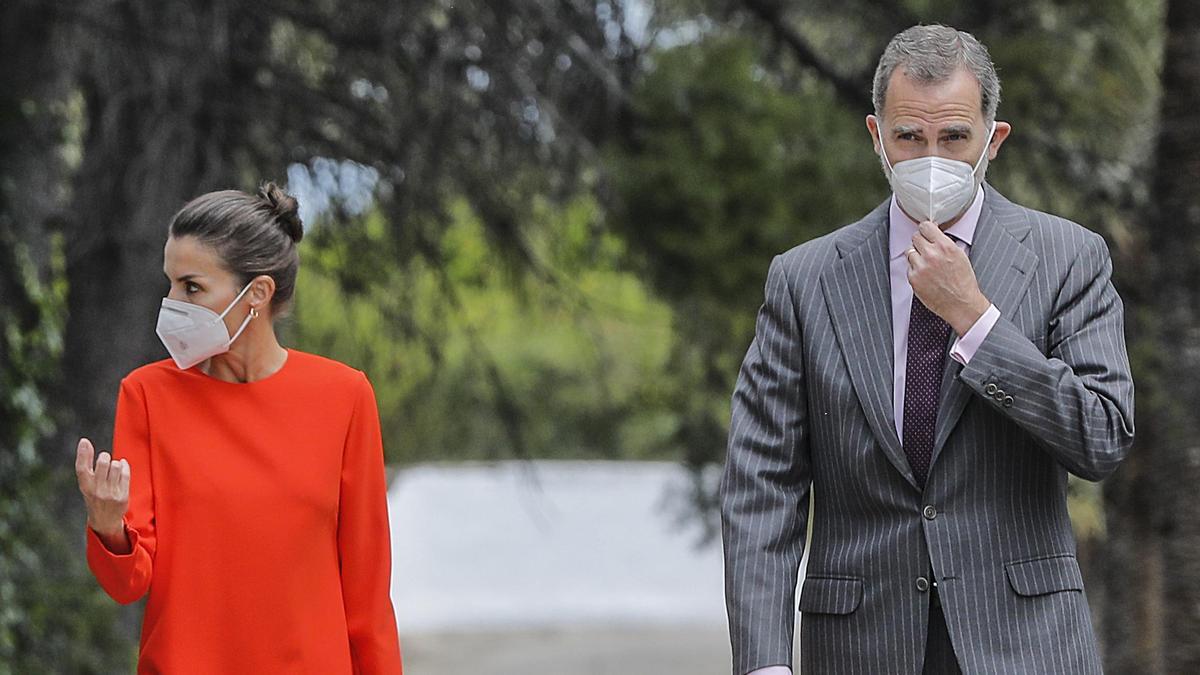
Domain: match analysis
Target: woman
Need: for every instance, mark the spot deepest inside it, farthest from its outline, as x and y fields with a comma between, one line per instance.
x=245, y=491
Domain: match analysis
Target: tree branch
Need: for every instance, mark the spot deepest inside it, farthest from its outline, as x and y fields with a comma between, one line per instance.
x=855, y=91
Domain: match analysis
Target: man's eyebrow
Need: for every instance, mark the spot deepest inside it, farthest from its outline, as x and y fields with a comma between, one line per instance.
x=906, y=129
x=964, y=129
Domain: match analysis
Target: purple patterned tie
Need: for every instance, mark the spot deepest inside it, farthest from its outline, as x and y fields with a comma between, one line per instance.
x=928, y=335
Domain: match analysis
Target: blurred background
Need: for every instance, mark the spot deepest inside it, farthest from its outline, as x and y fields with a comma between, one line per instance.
x=542, y=228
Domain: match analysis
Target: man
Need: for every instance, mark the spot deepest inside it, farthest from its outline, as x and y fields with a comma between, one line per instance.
x=931, y=373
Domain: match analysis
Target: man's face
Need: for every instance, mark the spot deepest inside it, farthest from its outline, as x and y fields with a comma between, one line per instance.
x=941, y=119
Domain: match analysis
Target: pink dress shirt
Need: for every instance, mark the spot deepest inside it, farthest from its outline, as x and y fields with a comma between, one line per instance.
x=901, y=230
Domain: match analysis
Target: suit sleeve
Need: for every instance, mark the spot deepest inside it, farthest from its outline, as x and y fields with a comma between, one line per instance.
x=764, y=490
x=364, y=544
x=1077, y=399
x=126, y=578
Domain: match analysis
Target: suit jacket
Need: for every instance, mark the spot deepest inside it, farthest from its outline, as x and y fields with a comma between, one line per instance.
x=1048, y=392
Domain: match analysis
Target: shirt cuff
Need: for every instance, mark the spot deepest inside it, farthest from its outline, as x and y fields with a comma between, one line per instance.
x=130, y=534
x=965, y=347
x=109, y=565
x=772, y=670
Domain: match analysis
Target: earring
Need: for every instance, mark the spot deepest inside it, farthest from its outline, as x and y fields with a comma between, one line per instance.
x=253, y=313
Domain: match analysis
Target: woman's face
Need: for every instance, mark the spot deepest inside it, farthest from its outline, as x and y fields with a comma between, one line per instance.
x=197, y=275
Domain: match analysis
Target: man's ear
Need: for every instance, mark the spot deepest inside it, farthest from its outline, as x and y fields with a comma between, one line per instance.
x=873, y=128
x=1003, y=129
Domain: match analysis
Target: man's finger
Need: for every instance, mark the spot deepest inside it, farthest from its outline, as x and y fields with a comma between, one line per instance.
x=935, y=235
x=931, y=231
x=84, y=454
x=921, y=243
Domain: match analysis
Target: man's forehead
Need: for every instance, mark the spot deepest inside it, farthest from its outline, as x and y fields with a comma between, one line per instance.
x=958, y=95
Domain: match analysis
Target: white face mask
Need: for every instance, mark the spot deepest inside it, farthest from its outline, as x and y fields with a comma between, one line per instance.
x=935, y=188
x=192, y=333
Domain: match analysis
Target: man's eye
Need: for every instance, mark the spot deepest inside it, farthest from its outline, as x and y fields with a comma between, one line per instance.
x=908, y=136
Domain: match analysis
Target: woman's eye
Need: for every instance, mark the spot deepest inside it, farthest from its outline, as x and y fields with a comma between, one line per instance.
x=191, y=288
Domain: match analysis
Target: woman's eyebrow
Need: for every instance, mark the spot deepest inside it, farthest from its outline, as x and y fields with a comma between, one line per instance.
x=184, y=277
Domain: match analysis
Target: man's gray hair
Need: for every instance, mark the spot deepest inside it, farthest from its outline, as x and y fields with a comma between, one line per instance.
x=931, y=54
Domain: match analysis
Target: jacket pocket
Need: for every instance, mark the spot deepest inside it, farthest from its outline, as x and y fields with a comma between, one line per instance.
x=831, y=595
x=1040, y=576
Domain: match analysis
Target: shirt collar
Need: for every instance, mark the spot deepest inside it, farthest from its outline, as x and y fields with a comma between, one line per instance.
x=902, y=228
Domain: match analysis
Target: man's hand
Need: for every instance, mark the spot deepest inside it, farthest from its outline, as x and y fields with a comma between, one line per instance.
x=942, y=277
x=105, y=490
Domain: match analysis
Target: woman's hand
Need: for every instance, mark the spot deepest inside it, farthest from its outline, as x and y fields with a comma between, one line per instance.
x=105, y=490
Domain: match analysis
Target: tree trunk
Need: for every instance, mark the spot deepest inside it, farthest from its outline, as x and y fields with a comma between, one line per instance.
x=165, y=88
x=1176, y=243
x=1153, y=609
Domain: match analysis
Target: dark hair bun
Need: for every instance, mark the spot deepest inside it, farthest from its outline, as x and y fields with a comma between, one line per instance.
x=285, y=209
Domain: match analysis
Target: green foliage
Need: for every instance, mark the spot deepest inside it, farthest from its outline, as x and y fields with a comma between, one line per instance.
x=52, y=613
x=1080, y=88
x=725, y=169
x=470, y=361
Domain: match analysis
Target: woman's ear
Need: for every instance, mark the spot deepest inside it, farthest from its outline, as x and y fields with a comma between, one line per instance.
x=262, y=289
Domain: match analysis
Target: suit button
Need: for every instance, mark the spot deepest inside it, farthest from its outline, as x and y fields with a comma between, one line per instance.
x=999, y=396
x=991, y=389
x=922, y=584
x=929, y=512
x=1008, y=401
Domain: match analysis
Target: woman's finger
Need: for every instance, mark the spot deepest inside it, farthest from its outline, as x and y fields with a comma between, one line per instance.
x=123, y=481
x=84, y=454
x=114, y=476
x=103, y=466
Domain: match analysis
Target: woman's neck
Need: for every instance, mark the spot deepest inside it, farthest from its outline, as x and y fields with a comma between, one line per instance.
x=255, y=355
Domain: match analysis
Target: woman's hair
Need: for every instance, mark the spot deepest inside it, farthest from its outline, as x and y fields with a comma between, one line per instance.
x=252, y=234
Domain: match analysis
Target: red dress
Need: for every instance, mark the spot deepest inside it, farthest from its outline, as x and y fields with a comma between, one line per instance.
x=258, y=519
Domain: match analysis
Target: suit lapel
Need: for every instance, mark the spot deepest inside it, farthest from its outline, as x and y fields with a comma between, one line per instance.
x=1004, y=267
x=858, y=295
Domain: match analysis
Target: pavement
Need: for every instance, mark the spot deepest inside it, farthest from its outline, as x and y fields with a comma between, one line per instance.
x=582, y=651
x=570, y=568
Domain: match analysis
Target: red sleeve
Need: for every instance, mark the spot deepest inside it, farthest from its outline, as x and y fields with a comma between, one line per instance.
x=127, y=577
x=364, y=543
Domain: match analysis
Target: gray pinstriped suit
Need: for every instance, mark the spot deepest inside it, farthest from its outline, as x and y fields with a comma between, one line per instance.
x=813, y=407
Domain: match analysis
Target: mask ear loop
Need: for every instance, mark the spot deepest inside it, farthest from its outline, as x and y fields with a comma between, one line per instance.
x=986, y=146
x=245, y=322
x=884, y=150
x=237, y=298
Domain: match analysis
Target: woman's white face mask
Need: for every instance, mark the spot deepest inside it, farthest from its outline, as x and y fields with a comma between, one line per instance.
x=193, y=334
x=936, y=188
